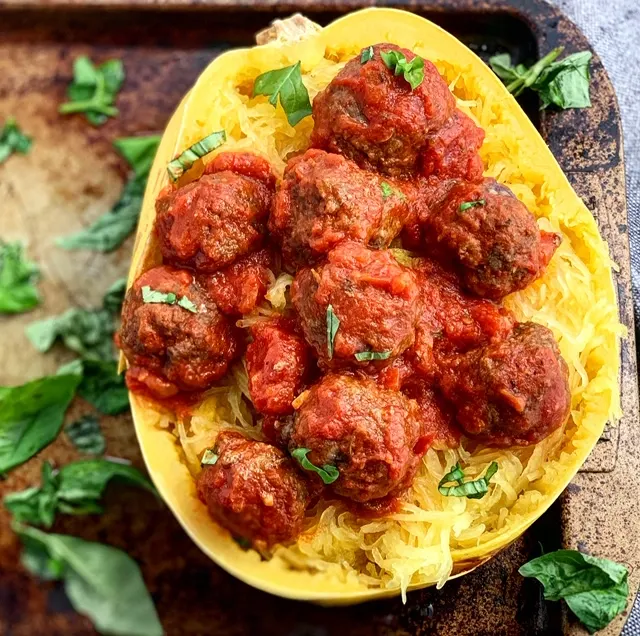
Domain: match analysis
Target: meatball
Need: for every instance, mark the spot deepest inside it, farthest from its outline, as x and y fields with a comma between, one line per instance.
x=489, y=237
x=510, y=393
x=374, y=298
x=325, y=199
x=211, y=222
x=277, y=361
x=370, y=434
x=254, y=490
x=169, y=347
x=452, y=151
x=374, y=117
x=240, y=287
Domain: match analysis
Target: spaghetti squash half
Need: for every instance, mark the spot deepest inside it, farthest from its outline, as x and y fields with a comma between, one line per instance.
x=341, y=557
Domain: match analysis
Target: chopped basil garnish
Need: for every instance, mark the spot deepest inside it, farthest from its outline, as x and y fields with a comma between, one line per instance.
x=94, y=89
x=18, y=276
x=367, y=54
x=327, y=473
x=186, y=159
x=288, y=85
x=372, y=355
x=153, y=296
x=388, y=191
x=209, y=458
x=12, y=139
x=476, y=489
x=333, y=322
x=563, y=83
x=471, y=204
x=413, y=72
x=595, y=590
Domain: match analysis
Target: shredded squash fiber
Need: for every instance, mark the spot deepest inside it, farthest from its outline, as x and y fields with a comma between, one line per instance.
x=575, y=298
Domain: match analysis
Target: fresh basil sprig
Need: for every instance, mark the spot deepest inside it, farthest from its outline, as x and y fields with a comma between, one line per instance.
x=563, y=83
x=333, y=323
x=76, y=489
x=595, y=589
x=186, y=159
x=31, y=416
x=327, y=473
x=18, y=275
x=476, y=489
x=94, y=89
x=413, y=72
x=101, y=582
x=110, y=230
x=86, y=435
x=287, y=84
x=12, y=139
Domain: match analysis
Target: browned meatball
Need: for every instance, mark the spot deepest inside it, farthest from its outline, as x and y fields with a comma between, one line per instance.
x=210, y=222
x=370, y=434
x=510, y=393
x=325, y=199
x=170, y=348
x=374, y=117
x=374, y=298
x=489, y=237
x=254, y=490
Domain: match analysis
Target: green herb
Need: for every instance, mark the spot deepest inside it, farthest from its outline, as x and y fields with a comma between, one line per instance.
x=595, y=590
x=101, y=582
x=388, y=190
x=242, y=542
x=153, y=296
x=31, y=416
x=413, y=72
x=114, y=297
x=86, y=435
x=103, y=387
x=209, y=458
x=367, y=54
x=288, y=85
x=185, y=160
x=372, y=355
x=327, y=473
x=12, y=139
x=94, y=89
x=471, y=204
x=333, y=323
x=563, y=83
x=18, y=275
x=110, y=230
x=471, y=489
x=76, y=489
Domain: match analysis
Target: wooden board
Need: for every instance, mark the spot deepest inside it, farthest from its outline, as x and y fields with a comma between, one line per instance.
x=72, y=175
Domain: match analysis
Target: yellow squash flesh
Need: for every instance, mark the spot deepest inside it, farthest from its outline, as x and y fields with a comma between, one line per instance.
x=192, y=121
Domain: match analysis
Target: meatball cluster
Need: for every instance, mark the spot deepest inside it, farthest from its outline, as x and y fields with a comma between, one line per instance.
x=381, y=352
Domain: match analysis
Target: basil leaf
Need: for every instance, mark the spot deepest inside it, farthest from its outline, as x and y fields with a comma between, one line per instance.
x=18, y=275
x=333, y=323
x=185, y=303
x=110, y=230
x=185, y=160
x=31, y=416
x=596, y=590
x=94, y=90
x=476, y=489
x=388, y=190
x=12, y=139
x=566, y=83
x=36, y=505
x=503, y=68
x=103, y=387
x=413, y=72
x=114, y=296
x=86, y=435
x=372, y=355
x=367, y=54
x=88, y=332
x=327, y=473
x=153, y=296
x=101, y=582
x=287, y=84
x=209, y=458
x=471, y=204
